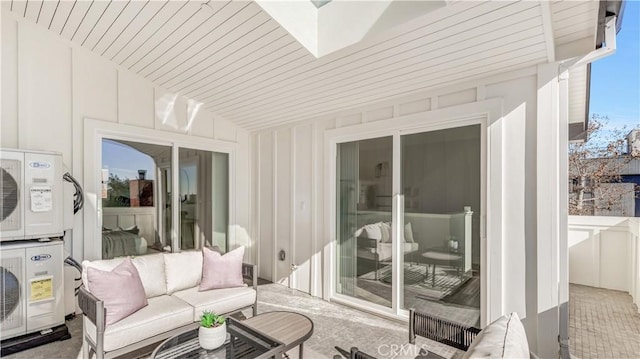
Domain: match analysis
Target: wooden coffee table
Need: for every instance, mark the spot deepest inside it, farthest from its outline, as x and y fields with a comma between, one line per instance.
x=290, y=328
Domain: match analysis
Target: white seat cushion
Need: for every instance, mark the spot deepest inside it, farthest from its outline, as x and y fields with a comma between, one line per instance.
x=151, y=269
x=220, y=301
x=385, y=249
x=183, y=270
x=163, y=314
x=504, y=338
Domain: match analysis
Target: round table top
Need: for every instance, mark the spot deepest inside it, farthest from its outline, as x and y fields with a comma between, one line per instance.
x=443, y=256
x=290, y=328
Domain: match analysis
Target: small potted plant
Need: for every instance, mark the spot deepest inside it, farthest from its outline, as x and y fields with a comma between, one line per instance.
x=213, y=330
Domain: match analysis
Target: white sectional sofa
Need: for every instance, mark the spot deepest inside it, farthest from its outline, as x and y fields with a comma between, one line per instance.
x=171, y=285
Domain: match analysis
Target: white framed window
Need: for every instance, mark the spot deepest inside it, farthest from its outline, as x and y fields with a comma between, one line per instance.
x=151, y=191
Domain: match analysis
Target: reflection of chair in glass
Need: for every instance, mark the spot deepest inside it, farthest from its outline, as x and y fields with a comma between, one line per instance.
x=374, y=244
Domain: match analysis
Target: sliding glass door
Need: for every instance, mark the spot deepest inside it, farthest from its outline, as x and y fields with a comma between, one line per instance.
x=364, y=219
x=203, y=189
x=408, y=221
x=440, y=249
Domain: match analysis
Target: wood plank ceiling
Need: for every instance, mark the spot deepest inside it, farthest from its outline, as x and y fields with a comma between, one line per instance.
x=246, y=68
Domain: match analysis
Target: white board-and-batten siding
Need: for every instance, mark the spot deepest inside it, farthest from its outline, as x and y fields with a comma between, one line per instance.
x=50, y=86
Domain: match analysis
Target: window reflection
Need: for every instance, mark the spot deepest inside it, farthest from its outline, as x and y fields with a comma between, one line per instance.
x=134, y=196
x=203, y=190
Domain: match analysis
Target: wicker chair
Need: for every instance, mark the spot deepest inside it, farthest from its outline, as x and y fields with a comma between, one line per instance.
x=441, y=330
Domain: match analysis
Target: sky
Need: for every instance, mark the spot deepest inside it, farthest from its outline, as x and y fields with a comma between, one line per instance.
x=124, y=161
x=615, y=80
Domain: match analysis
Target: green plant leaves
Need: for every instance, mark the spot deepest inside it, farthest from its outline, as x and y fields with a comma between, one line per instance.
x=210, y=319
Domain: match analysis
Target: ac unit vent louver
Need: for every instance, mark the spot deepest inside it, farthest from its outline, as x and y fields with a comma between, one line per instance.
x=9, y=193
x=10, y=301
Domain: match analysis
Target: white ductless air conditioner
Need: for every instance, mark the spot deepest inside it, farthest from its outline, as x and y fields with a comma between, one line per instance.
x=31, y=195
x=31, y=285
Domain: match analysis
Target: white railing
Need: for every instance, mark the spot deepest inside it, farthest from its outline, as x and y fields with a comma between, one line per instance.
x=604, y=252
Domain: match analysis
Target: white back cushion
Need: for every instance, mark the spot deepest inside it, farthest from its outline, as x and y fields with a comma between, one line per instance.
x=151, y=269
x=372, y=231
x=183, y=270
x=152, y=273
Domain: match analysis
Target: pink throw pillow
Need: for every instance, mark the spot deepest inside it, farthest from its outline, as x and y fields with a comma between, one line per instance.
x=121, y=290
x=221, y=271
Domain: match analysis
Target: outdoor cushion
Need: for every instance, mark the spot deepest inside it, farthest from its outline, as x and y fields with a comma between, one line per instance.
x=372, y=231
x=150, y=268
x=384, y=250
x=217, y=300
x=504, y=338
x=152, y=274
x=183, y=270
x=385, y=229
x=221, y=271
x=120, y=289
x=162, y=314
x=408, y=233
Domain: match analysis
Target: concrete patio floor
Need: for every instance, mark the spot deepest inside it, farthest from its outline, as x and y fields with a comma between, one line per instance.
x=334, y=325
x=603, y=323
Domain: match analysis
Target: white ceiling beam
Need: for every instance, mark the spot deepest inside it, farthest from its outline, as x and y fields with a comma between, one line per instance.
x=547, y=25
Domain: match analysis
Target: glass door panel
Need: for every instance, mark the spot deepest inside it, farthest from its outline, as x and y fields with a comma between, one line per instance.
x=203, y=193
x=441, y=185
x=364, y=203
x=135, y=193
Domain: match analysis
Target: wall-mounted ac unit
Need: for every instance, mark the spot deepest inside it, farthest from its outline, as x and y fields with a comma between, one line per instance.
x=31, y=288
x=31, y=195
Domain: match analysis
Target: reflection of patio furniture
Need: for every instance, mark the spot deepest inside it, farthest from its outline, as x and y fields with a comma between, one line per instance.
x=380, y=252
x=443, y=257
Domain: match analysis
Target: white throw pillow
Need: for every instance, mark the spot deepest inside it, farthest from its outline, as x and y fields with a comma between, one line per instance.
x=183, y=270
x=385, y=229
x=408, y=233
x=372, y=231
x=504, y=338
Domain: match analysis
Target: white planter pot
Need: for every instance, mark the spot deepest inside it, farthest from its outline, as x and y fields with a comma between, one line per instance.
x=212, y=338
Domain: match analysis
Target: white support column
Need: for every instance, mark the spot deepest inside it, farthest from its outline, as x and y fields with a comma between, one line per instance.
x=548, y=211
x=563, y=211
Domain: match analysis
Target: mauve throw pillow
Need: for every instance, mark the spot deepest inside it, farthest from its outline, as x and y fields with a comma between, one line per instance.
x=121, y=290
x=221, y=271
